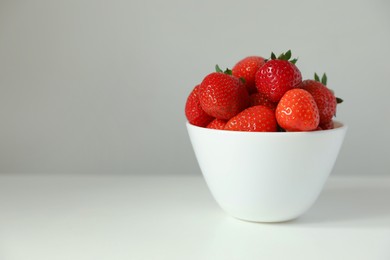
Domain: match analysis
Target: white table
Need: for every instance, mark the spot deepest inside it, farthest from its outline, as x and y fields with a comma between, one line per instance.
x=174, y=217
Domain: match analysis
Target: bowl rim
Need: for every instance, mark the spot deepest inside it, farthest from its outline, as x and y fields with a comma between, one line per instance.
x=339, y=126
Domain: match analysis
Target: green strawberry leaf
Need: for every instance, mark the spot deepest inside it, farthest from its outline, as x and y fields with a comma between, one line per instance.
x=316, y=77
x=324, y=79
x=242, y=80
x=339, y=100
x=228, y=71
x=287, y=55
x=218, y=69
x=284, y=56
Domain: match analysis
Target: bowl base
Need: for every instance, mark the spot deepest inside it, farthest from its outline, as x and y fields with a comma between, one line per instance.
x=264, y=221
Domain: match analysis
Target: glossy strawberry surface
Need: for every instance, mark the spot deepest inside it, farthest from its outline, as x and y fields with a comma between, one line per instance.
x=324, y=98
x=194, y=112
x=246, y=69
x=259, y=99
x=253, y=119
x=297, y=111
x=217, y=124
x=276, y=77
x=223, y=96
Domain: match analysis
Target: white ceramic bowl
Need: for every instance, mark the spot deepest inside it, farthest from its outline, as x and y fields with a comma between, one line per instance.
x=266, y=177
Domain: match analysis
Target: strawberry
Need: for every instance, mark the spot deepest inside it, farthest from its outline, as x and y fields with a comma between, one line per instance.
x=253, y=119
x=223, y=95
x=277, y=76
x=246, y=69
x=297, y=111
x=327, y=126
x=194, y=112
x=259, y=99
x=217, y=124
x=325, y=99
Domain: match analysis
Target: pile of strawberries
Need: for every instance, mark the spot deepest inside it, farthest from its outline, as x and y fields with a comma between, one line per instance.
x=262, y=95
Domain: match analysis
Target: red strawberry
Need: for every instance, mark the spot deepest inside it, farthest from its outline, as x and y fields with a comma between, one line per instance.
x=277, y=76
x=194, y=112
x=259, y=99
x=253, y=119
x=222, y=95
x=327, y=126
x=325, y=99
x=297, y=111
x=246, y=69
x=217, y=124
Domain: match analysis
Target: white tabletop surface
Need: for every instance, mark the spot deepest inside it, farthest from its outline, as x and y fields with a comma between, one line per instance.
x=174, y=217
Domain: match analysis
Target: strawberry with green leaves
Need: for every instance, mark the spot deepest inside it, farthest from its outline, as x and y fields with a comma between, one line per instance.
x=194, y=112
x=246, y=69
x=254, y=119
x=277, y=76
x=222, y=95
x=297, y=111
x=324, y=97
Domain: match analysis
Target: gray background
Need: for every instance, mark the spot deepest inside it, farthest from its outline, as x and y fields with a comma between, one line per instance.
x=100, y=86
